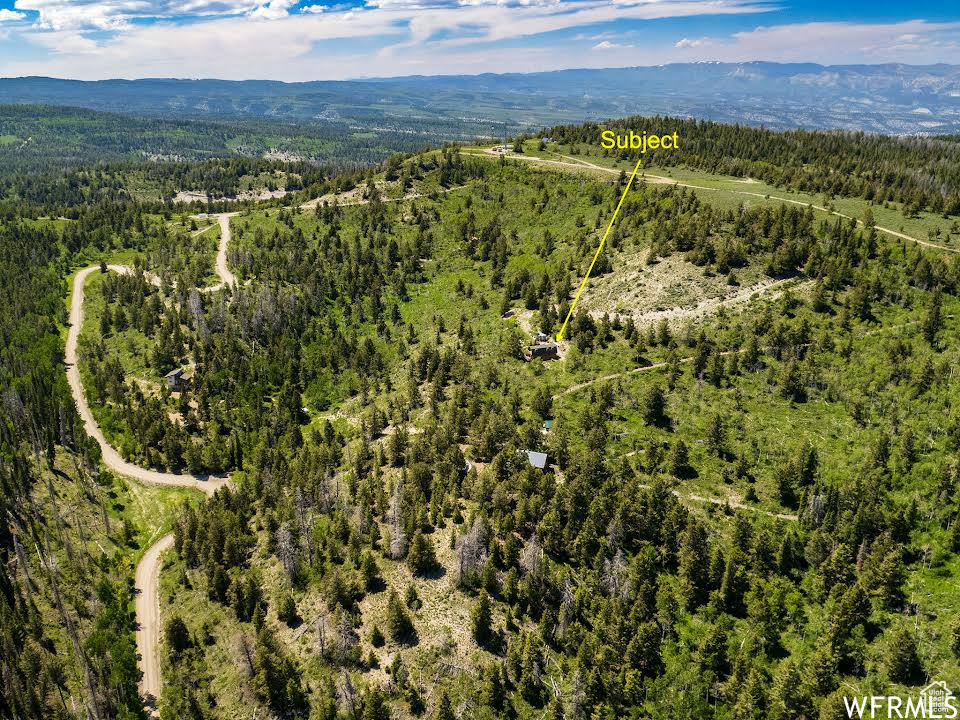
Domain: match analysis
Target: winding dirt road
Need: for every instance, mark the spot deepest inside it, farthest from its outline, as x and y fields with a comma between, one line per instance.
x=147, y=605
x=111, y=458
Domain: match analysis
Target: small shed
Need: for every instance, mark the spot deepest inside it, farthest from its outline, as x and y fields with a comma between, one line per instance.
x=543, y=350
x=547, y=425
x=537, y=459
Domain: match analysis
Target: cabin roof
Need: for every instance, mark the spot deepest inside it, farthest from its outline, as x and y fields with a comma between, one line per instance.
x=537, y=459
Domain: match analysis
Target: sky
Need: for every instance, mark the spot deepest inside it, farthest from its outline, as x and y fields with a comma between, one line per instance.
x=308, y=40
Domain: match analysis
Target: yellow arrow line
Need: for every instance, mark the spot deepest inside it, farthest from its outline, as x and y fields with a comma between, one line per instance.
x=603, y=240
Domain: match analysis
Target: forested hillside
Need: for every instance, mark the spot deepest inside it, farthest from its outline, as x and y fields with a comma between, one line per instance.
x=920, y=173
x=70, y=531
x=744, y=511
x=47, y=139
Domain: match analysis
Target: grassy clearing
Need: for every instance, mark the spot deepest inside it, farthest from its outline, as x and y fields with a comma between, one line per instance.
x=152, y=509
x=729, y=193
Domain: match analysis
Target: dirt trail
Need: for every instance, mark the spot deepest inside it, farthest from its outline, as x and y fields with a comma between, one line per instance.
x=227, y=278
x=734, y=504
x=148, y=569
x=579, y=164
x=614, y=376
x=731, y=502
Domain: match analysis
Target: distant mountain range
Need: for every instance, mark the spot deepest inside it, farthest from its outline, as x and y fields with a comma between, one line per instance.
x=896, y=99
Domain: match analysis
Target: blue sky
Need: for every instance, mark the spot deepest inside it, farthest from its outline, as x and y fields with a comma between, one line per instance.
x=290, y=40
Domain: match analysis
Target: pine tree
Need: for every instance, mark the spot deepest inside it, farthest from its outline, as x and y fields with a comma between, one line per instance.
x=678, y=461
x=421, y=558
x=711, y=655
x=644, y=652
x=481, y=619
x=370, y=571
x=715, y=435
x=415, y=700
x=791, y=385
x=932, y=320
x=694, y=567
x=751, y=353
x=493, y=693
x=653, y=406
x=106, y=321
x=733, y=586
x=287, y=609
x=488, y=577
x=177, y=636
x=444, y=709
x=555, y=710
x=530, y=684
x=411, y=597
x=752, y=697
x=788, y=698
x=398, y=621
x=902, y=662
x=375, y=706
x=834, y=706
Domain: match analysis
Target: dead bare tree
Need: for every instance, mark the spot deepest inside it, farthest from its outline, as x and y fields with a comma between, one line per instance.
x=349, y=693
x=615, y=579
x=320, y=624
x=347, y=639
x=471, y=552
x=195, y=305
x=532, y=556
x=246, y=653
x=398, y=539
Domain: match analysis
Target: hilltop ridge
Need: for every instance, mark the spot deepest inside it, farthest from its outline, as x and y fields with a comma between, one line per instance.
x=889, y=98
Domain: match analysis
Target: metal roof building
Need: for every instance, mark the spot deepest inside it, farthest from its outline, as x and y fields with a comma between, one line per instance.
x=537, y=459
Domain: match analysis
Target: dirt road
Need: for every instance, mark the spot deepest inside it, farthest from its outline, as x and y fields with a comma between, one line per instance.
x=227, y=278
x=147, y=605
x=111, y=458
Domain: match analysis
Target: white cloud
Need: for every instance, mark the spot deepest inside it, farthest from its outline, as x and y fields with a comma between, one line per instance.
x=66, y=43
x=607, y=45
x=117, y=14
x=501, y=37
x=10, y=16
x=840, y=42
x=273, y=10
